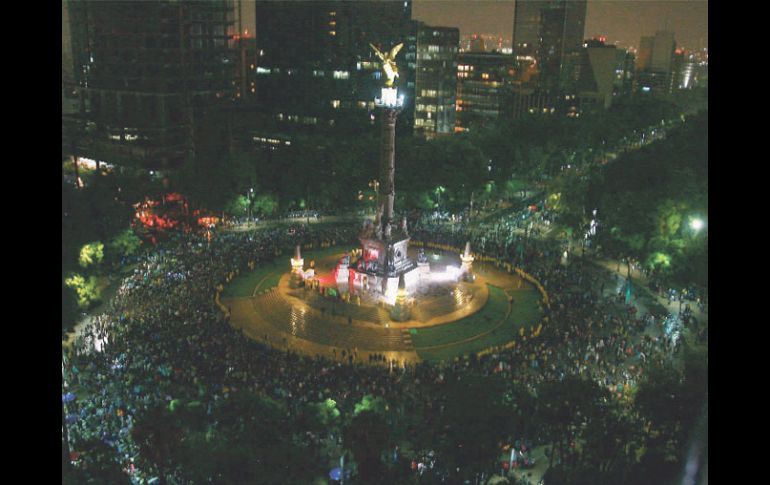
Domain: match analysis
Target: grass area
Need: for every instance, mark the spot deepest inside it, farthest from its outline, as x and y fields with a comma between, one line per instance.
x=246, y=283
x=525, y=313
x=268, y=275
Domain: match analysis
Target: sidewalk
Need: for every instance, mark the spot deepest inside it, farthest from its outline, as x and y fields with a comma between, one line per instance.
x=643, y=283
x=85, y=317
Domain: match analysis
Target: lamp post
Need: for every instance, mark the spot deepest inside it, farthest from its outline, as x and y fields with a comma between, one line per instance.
x=248, y=197
x=696, y=224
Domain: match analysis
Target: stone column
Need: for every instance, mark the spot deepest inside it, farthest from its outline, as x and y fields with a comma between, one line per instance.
x=388, y=168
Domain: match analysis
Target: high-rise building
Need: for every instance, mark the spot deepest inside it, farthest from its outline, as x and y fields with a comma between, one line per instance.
x=655, y=63
x=483, y=84
x=701, y=77
x=146, y=73
x=624, y=71
x=590, y=75
x=686, y=77
x=526, y=28
x=436, y=80
x=526, y=99
x=663, y=50
x=644, y=56
x=315, y=68
x=547, y=31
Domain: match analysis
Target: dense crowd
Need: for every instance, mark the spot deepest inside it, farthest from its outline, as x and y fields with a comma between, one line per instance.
x=163, y=339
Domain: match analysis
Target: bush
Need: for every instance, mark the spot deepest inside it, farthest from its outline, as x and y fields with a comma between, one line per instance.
x=91, y=254
x=87, y=290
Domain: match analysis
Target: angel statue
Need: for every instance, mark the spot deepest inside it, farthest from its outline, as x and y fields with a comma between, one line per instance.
x=389, y=63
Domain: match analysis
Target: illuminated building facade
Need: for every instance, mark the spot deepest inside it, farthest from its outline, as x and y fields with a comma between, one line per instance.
x=545, y=32
x=483, y=83
x=144, y=73
x=436, y=80
x=315, y=69
x=590, y=76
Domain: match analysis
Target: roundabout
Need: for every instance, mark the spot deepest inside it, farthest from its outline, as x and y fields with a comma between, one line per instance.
x=448, y=320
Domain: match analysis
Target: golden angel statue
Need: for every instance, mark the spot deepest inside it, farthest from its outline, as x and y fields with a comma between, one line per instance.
x=389, y=63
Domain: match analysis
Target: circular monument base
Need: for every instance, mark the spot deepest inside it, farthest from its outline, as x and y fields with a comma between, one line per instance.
x=446, y=320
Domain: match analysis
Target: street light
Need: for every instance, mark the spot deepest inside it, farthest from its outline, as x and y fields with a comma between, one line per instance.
x=439, y=190
x=248, y=196
x=696, y=224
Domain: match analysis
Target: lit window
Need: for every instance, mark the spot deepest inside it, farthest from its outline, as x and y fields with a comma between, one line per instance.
x=335, y=103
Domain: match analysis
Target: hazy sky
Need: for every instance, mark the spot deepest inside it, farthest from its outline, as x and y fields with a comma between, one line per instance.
x=624, y=21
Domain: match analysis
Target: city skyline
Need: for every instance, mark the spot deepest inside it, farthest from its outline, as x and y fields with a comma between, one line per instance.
x=622, y=22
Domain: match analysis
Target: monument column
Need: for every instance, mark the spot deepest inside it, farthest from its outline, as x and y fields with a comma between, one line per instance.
x=388, y=167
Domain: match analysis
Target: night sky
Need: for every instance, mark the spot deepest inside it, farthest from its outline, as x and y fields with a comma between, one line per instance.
x=622, y=21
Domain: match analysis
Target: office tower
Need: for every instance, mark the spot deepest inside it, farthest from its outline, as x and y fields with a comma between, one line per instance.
x=701, y=76
x=315, y=68
x=436, y=80
x=663, y=50
x=548, y=31
x=686, y=76
x=644, y=55
x=146, y=75
x=599, y=86
x=654, y=65
x=624, y=72
x=483, y=84
x=526, y=99
x=526, y=28
x=246, y=47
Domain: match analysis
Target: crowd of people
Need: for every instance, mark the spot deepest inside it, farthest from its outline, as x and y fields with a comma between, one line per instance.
x=163, y=339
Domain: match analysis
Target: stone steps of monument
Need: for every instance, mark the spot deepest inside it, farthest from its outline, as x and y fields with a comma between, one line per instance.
x=442, y=305
x=366, y=313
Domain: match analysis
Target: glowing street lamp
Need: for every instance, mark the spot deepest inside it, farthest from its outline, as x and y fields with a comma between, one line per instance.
x=249, y=195
x=696, y=224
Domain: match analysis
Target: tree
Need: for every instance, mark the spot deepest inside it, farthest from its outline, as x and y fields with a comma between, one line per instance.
x=158, y=436
x=91, y=254
x=265, y=205
x=367, y=436
x=475, y=419
x=125, y=244
x=69, y=309
x=87, y=289
x=238, y=206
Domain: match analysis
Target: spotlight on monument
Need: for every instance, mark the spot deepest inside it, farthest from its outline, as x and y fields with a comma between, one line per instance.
x=389, y=98
x=296, y=268
x=467, y=262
